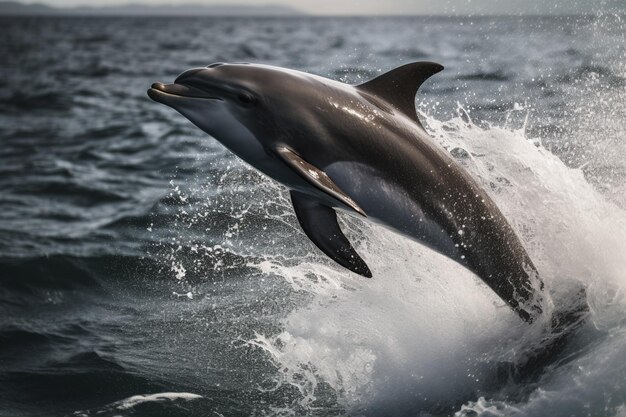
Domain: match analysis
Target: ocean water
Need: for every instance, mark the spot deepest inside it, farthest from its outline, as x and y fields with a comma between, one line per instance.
x=145, y=271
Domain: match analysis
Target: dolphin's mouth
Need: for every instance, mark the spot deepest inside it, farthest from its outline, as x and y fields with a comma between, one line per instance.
x=160, y=92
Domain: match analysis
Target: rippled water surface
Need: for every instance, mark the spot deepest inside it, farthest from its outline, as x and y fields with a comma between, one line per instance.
x=145, y=271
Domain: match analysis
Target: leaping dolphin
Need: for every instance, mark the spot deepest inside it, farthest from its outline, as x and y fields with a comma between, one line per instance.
x=362, y=149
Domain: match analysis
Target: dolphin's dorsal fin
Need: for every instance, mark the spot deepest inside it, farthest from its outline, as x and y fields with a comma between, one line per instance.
x=317, y=178
x=319, y=222
x=399, y=86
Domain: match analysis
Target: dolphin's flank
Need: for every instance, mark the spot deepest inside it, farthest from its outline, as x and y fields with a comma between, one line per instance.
x=360, y=149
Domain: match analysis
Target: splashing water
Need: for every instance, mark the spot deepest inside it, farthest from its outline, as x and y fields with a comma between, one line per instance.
x=426, y=334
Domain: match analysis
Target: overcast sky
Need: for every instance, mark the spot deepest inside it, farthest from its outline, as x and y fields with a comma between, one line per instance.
x=396, y=7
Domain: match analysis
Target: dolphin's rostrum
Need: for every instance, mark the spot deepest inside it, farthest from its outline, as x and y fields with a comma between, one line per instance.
x=360, y=149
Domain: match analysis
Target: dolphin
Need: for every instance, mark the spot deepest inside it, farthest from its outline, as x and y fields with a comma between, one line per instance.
x=360, y=149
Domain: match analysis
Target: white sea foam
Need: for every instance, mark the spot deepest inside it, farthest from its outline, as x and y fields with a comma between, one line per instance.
x=135, y=400
x=125, y=406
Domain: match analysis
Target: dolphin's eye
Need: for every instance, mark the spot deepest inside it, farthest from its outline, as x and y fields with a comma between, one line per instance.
x=246, y=99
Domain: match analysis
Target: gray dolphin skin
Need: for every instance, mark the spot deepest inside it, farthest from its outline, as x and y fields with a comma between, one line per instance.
x=361, y=149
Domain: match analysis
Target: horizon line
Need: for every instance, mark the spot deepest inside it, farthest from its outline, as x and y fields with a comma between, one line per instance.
x=298, y=15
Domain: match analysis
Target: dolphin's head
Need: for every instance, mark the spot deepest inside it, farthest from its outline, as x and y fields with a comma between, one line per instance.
x=234, y=103
x=213, y=100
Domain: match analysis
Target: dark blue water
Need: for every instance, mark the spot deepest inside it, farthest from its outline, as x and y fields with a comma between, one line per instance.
x=138, y=257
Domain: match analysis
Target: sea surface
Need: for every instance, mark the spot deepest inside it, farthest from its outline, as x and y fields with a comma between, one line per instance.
x=146, y=271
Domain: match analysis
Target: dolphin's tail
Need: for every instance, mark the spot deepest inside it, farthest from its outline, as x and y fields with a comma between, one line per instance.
x=562, y=325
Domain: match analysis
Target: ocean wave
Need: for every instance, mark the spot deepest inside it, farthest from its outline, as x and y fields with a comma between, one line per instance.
x=72, y=388
x=589, y=72
x=44, y=273
x=49, y=101
x=14, y=338
x=486, y=76
x=37, y=276
x=160, y=404
x=79, y=194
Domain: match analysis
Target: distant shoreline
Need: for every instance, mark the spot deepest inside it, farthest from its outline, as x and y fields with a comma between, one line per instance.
x=14, y=8
x=18, y=9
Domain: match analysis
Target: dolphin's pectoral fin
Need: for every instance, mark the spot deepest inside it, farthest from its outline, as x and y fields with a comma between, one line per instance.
x=399, y=86
x=317, y=178
x=319, y=222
